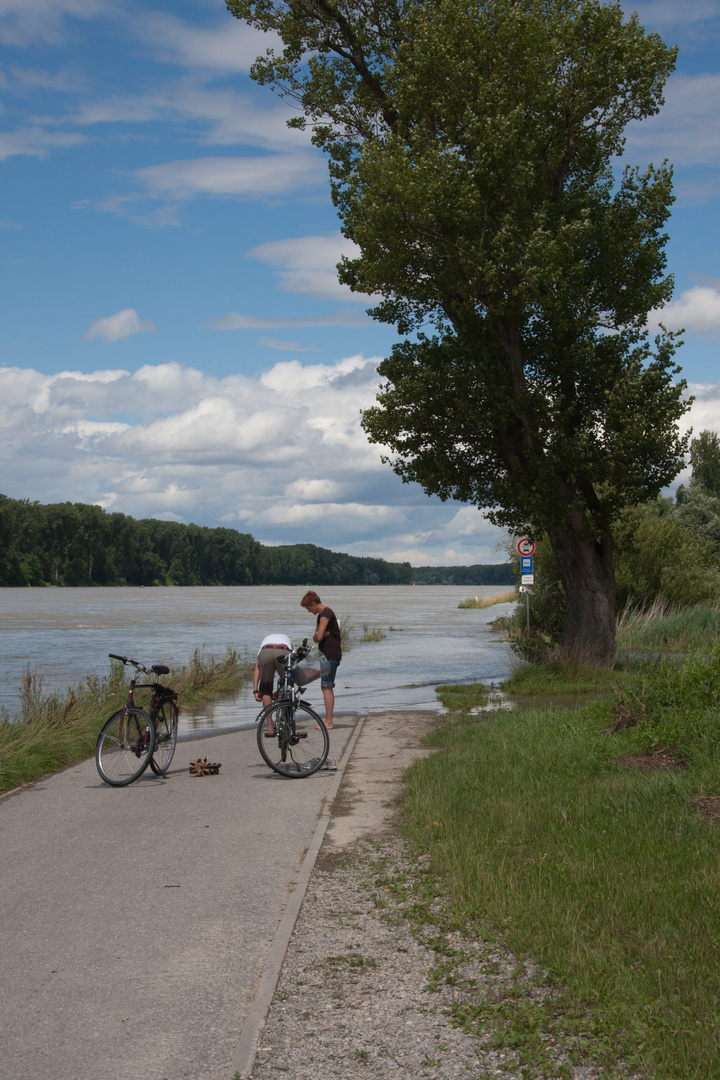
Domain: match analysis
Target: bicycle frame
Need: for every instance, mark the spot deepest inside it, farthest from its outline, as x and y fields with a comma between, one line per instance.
x=132, y=738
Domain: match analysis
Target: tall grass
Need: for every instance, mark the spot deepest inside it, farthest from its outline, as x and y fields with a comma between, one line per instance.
x=489, y=601
x=54, y=729
x=663, y=627
x=606, y=875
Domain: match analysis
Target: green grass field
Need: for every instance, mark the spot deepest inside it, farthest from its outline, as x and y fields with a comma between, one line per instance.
x=574, y=848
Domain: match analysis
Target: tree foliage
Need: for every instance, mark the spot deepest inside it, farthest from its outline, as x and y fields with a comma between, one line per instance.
x=473, y=148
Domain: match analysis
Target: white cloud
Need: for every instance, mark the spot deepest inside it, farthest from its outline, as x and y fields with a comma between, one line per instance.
x=286, y=346
x=36, y=142
x=692, y=23
x=119, y=326
x=257, y=177
x=282, y=456
x=343, y=316
x=221, y=115
x=687, y=128
x=696, y=310
x=705, y=410
x=314, y=491
x=227, y=45
x=308, y=265
x=31, y=22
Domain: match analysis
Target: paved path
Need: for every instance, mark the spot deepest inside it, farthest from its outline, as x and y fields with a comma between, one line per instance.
x=138, y=921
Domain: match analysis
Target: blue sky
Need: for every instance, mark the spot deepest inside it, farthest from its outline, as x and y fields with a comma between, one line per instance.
x=174, y=340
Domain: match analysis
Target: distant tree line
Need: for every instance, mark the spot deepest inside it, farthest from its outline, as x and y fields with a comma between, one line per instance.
x=68, y=544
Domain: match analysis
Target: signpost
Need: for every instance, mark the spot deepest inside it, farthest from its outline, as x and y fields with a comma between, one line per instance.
x=527, y=577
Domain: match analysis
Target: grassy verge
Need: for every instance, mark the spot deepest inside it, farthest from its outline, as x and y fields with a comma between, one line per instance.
x=545, y=830
x=54, y=730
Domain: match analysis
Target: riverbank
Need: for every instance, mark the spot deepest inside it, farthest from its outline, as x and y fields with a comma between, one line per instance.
x=542, y=905
x=580, y=828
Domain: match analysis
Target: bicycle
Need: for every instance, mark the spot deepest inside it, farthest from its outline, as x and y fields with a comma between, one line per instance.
x=132, y=738
x=291, y=737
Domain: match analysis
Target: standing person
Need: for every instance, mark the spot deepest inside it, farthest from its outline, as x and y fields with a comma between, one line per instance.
x=327, y=635
x=266, y=665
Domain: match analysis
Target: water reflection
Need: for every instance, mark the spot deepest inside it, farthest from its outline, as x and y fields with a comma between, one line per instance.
x=67, y=633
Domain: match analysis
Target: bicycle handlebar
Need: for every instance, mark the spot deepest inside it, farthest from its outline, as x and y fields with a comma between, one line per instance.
x=158, y=669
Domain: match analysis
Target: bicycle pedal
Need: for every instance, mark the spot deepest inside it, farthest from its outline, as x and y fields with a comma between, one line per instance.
x=271, y=734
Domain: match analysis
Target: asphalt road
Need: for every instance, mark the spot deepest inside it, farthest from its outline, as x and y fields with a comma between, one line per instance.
x=137, y=921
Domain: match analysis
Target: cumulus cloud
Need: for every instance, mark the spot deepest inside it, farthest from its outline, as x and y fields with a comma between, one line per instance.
x=119, y=326
x=705, y=411
x=696, y=310
x=282, y=456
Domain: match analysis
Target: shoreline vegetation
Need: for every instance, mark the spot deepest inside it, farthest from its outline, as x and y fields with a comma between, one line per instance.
x=54, y=730
x=76, y=544
x=573, y=815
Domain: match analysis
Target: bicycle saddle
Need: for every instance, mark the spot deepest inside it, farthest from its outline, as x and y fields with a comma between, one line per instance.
x=160, y=669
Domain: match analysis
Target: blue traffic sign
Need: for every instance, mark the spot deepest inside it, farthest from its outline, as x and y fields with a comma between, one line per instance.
x=526, y=564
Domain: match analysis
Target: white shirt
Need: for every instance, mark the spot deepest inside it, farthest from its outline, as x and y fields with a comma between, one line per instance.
x=282, y=640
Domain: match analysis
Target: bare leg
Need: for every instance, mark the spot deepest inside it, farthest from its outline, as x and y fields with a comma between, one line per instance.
x=329, y=696
x=265, y=702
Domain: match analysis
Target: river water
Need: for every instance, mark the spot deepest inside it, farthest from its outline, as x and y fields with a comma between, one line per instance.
x=64, y=634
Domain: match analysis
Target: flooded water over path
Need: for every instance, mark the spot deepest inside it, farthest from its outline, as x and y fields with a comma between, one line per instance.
x=64, y=634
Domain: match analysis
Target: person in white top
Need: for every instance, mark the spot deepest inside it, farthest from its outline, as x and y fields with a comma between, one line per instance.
x=266, y=665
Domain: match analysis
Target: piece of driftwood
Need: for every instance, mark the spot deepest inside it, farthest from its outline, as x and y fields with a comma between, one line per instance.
x=203, y=767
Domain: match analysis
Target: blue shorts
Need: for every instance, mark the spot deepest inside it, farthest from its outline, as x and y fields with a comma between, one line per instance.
x=328, y=681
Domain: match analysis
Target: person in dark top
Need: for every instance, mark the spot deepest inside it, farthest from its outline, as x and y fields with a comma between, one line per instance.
x=327, y=635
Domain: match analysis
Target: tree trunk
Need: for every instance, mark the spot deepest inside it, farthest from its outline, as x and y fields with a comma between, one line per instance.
x=587, y=574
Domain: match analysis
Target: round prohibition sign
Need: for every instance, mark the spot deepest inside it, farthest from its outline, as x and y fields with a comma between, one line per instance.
x=526, y=547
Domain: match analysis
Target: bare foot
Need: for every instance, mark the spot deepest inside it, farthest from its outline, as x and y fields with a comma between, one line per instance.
x=328, y=727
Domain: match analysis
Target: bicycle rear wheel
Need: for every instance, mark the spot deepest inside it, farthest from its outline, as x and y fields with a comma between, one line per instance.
x=125, y=746
x=293, y=740
x=166, y=727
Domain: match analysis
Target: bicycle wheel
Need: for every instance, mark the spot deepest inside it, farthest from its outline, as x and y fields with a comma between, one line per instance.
x=299, y=743
x=125, y=746
x=166, y=726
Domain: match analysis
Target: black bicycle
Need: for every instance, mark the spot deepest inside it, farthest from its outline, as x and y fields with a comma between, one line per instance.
x=132, y=738
x=291, y=737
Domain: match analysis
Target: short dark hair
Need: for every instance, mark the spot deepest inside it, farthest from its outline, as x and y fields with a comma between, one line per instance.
x=309, y=599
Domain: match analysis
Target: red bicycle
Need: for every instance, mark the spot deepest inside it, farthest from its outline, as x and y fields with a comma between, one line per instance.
x=132, y=738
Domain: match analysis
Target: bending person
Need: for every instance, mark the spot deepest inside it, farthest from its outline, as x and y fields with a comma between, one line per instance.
x=267, y=666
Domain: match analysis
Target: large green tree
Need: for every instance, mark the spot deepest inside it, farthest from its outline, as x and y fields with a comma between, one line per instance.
x=473, y=151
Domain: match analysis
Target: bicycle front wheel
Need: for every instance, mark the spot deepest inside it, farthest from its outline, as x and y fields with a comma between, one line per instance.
x=293, y=739
x=166, y=727
x=125, y=746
